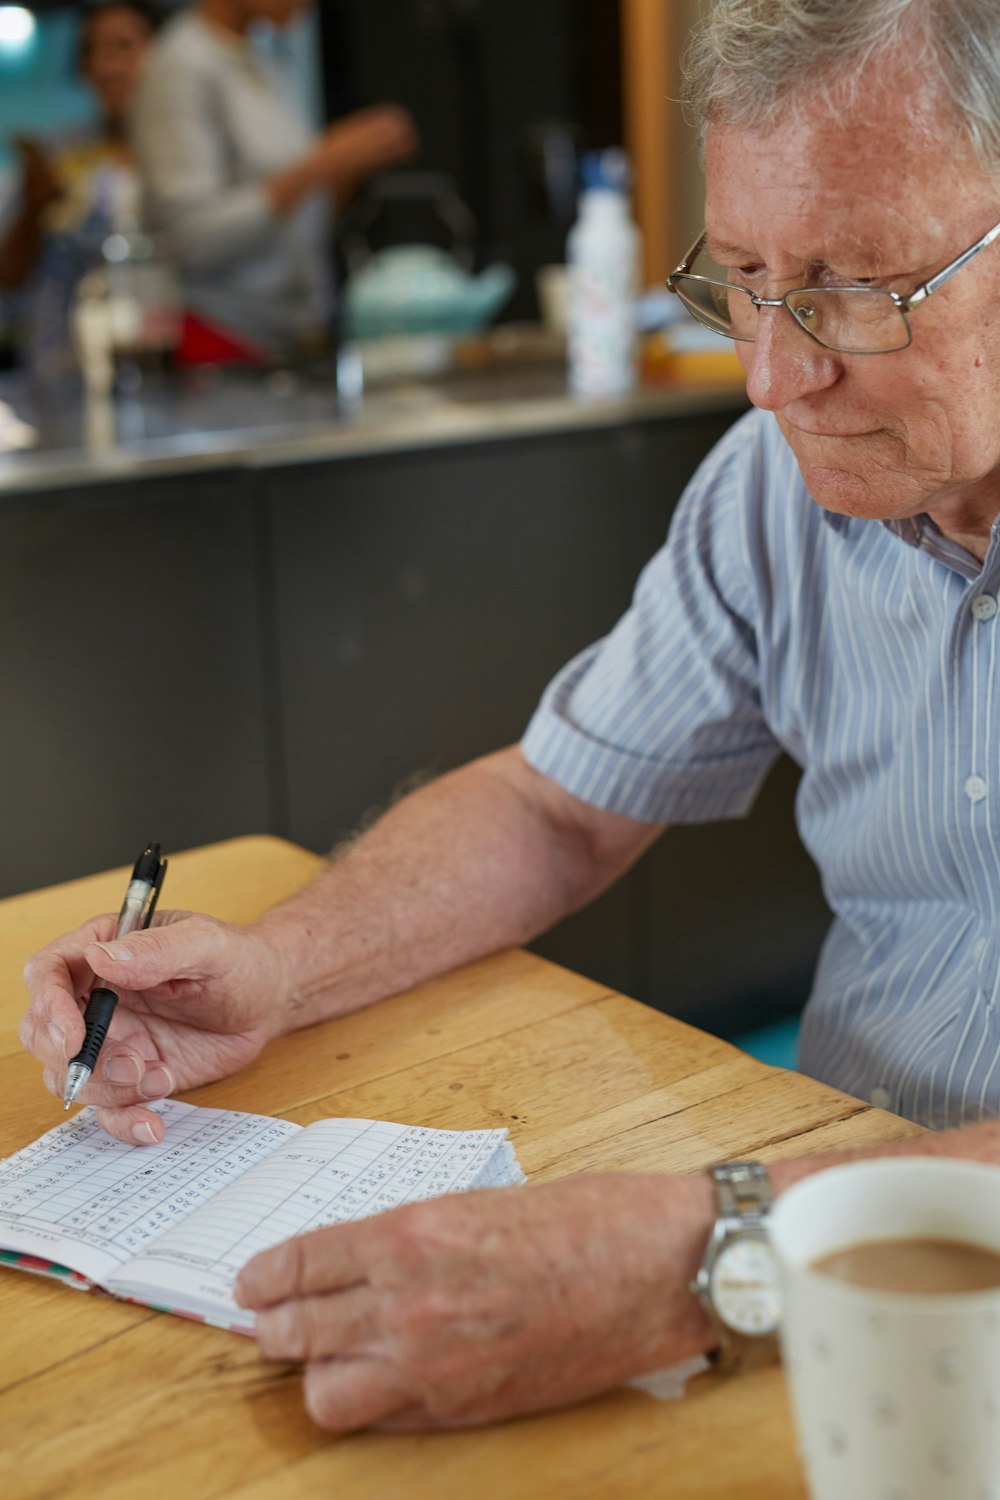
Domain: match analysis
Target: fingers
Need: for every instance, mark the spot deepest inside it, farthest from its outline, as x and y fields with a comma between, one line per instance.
x=59, y=977
x=124, y=1074
x=144, y=960
x=326, y=1260
x=122, y=1078
x=346, y=1384
x=50, y=1042
x=344, y=1395
x=345, y=1323
x=56, y=978
x=137, y=1126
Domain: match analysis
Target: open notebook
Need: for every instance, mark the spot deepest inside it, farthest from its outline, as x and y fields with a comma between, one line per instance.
x=171, y=1225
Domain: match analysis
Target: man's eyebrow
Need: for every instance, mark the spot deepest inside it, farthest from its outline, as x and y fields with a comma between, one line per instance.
x=725, y=250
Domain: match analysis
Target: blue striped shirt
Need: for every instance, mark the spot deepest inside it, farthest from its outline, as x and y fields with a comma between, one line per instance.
x=867, y=651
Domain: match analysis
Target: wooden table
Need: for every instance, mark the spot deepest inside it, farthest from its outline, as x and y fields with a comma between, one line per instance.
x=102, y=1399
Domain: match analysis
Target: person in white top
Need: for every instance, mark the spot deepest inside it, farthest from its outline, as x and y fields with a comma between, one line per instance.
x=237, y=183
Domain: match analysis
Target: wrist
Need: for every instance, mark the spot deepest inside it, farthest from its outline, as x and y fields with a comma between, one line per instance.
x=286, y=940
x=677, y=1214
x=702, y=1209
x=326, y=947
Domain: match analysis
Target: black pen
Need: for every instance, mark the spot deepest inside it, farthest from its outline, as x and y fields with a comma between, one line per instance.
x=137, y=912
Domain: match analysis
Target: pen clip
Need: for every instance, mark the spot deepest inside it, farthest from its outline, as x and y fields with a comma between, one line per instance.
x=154, y=892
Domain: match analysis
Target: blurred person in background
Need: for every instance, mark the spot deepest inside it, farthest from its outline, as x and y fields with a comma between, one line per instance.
x=240, y=187
x=71, y=185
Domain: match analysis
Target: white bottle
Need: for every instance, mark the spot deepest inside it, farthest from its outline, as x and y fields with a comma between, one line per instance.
x=602, y=253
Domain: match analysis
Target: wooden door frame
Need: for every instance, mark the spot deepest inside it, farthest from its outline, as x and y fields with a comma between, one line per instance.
x=650, y=38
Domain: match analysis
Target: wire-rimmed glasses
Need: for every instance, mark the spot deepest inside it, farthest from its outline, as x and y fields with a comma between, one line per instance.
x=845, y=319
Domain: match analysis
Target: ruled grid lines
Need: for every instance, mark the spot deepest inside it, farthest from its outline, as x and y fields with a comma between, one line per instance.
x=78, y=1182
x=183, y=1216
x=335, y=1171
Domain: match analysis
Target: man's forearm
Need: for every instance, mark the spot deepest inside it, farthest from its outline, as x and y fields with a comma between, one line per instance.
x=969, y=1142
x=465, y=866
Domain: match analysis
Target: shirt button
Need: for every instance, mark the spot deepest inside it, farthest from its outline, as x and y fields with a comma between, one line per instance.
x=879, y=1097
x=984, y=606
x=975, y=788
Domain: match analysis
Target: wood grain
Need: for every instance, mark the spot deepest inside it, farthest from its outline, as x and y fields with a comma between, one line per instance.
x=98, y=1398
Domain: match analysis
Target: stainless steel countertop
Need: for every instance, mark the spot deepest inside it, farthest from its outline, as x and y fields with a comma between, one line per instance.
x=216, y=419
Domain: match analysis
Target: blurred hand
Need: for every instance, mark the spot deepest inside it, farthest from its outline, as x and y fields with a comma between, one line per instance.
x=362, y=143
x=40, y=183
x=197, y=1000
x=475, y=1307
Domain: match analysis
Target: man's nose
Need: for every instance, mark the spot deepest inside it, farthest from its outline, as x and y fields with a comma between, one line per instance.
x=784, y=364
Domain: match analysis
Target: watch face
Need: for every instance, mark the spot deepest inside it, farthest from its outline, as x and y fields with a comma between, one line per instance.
x=744, y=1286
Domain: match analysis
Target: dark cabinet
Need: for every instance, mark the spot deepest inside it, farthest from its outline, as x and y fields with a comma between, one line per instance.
x=130, y=677
x=193, y=657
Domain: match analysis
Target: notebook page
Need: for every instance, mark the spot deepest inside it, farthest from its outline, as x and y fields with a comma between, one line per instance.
x=333, y=1171
x=80, y=1197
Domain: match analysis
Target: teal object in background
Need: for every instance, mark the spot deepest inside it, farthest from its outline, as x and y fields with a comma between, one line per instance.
x=419, y=289
x=776, y=1044
x=40, y=94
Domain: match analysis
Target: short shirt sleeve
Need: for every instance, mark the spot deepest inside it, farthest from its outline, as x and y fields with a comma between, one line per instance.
x=661, y=721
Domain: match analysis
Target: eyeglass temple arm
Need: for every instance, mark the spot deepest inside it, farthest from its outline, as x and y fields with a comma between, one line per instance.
x=925, y=290
x=689, y=260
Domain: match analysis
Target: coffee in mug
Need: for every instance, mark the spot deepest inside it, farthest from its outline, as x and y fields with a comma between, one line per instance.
x=915, y=1264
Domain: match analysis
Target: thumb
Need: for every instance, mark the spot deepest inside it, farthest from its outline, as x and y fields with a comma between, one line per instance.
x=177, y=950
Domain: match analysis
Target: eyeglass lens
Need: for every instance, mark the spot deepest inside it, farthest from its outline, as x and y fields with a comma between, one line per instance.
x=858, y=320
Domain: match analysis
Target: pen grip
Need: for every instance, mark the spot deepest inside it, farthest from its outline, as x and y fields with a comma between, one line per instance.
x=97, y=1019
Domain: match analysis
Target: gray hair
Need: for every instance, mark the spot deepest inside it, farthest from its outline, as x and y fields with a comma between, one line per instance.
x=748, y=60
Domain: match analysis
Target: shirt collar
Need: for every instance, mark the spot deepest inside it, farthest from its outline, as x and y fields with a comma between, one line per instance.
x=838, y=522
x=921, y=533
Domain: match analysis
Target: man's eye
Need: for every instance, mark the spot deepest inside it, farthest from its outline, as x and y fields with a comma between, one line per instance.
x=745, y=275
x=834, y=278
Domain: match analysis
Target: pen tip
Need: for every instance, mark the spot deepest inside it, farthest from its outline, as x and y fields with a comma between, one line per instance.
x=65, y=1105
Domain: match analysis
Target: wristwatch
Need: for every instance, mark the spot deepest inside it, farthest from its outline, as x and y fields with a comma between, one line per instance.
x=737, y=1281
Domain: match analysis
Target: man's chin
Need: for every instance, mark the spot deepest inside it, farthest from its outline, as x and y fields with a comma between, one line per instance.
x=845, y=492
x=854, y=483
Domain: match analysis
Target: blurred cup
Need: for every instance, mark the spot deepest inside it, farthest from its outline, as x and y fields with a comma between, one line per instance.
x=552, y=290
x=896, y=1395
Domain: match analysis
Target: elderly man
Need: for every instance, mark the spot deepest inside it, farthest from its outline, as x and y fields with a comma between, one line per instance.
x=829, y=586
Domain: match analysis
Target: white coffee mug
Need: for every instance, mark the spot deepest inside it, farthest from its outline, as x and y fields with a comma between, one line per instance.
x=896, y=1396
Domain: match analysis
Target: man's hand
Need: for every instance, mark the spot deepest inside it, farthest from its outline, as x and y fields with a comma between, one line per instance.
x=479, y=1306
x=198, y=999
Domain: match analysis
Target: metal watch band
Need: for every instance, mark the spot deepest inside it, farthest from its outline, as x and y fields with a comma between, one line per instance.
x=743, y=1191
